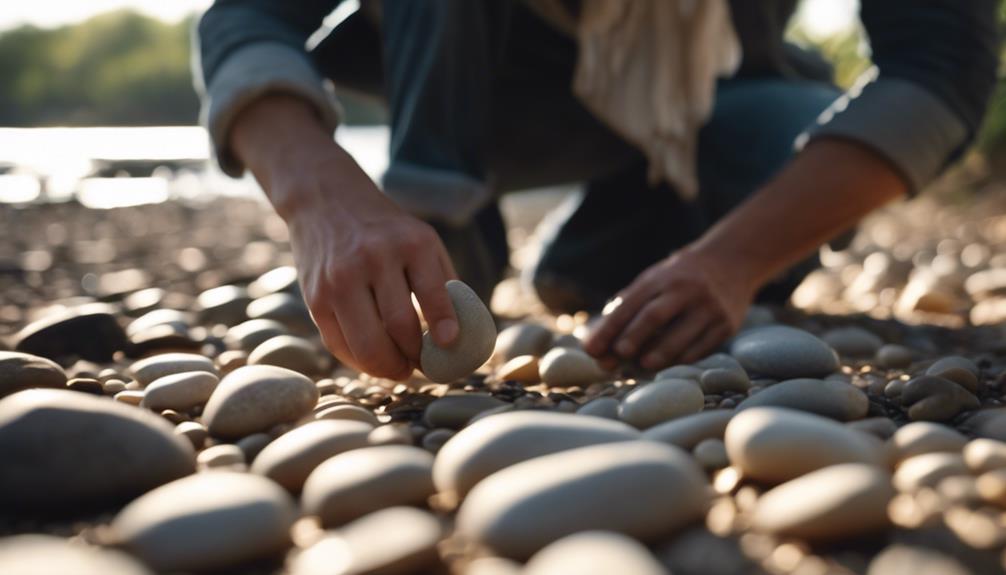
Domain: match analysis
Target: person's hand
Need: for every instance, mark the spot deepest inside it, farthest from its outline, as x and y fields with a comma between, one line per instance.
x=677, y=311
x=359, y=256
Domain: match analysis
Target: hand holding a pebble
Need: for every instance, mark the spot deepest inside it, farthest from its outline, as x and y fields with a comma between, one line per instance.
x=677, y=311
x=359, y=256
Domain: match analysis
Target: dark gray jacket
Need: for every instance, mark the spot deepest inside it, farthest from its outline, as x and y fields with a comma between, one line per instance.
x=922, y=104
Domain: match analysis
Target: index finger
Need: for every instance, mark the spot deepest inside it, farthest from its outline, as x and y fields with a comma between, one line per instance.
x=617, y=313
x=428, y=273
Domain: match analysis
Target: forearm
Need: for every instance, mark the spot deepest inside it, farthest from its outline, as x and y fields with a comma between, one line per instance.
x=824, y=191
x=280, y=138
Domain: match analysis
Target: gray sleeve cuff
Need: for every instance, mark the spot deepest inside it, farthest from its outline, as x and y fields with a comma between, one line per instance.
x=903, y=122
x=251, y=72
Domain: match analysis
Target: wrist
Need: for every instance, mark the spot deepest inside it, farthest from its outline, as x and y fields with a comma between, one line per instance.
x=725, y=266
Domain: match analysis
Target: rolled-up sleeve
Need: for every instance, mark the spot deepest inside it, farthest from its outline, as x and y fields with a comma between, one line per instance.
x=923, y=101
x=245, y=49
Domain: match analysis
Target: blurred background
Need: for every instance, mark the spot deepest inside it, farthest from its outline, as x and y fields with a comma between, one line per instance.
x=97, y=111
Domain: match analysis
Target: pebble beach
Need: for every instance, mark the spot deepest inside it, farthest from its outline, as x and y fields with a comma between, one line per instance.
x=166, y=406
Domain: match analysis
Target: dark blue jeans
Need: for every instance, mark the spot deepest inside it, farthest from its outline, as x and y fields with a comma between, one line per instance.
x=479, y=99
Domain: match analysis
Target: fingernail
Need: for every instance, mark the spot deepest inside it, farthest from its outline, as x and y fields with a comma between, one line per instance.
x=624, y=348
x=446, y=331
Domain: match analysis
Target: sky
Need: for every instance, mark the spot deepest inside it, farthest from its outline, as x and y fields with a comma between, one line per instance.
x=821, y=17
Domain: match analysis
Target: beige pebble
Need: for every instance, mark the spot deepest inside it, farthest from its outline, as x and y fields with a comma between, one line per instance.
x=44, y=554
x=347, y=412
x=594, y=553
x=390, y=434
x=180, y=391
x=147, y=370
x=194, y=432
x=659, y=401
x=522, y=339
x=774, y=445
x=921, y=437
x=113, y=386
x=292, y=352
x=361, y=481
x=927, y=470
x=565, y=366
x=130, y=397
x=991, y=486
x=831, y=503
x=255, y=398
x=983, y=455
x=519, y=510
x=290, y=458
x=501, y=441
x=523, y=368
x=222, y=455
x=207, y=521
x=473, y=346
x=828, y=398
x=393, y=540
x=688, y=431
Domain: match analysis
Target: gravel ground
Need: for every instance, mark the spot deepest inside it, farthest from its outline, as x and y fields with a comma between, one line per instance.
x=167, y=407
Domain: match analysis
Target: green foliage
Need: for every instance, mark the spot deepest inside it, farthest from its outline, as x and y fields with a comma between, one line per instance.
x=119, y=68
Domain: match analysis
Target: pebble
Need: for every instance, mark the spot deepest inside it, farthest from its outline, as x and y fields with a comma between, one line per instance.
x=991, y=486
x=113, y=386
x=983, y=455
x=774, y=445
x=194, y=432
x=522, y=339
x=711, y=454
x=290, y=458
x=879, y=427
x=64, y=449
x=688, y=431
x=594, y=553
x=289, y=351
x=894, y=356
x=286, y=308
x=501, y=441
x=180, y=391
x=606, y=407
x=225, y=304
x=253, y=444
x=130, y=397
x=255, y=398
x=20, y=371
x=145, y=371
x=680, y=372
x=454, y=411
x=361, y=481
x=89, y=332
x=933, y=398
x=853, y=342
x=434, y=440
x=563, y=367
x=927, y=470
x=523, y=369
x=475, y=342
x=281, y=279
x=828, y=398
x=393, y=540
x=85, y=385
x=222, y=455
x=784, y=353
x=347, y=412
x=839, y=501
x=957, y=369
x=250, y=334
x=720, y=380
x=899, y=559
x=214, y=520
x=158, y=317
x=42, y=554
x=519, y=510
x=390, y=434
x=659, y=401
x=987, y=423
x=921, y=437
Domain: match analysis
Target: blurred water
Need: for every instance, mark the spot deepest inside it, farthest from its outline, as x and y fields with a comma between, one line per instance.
x=112, y=166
